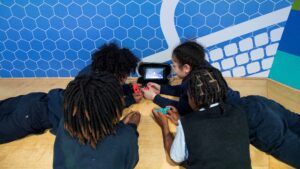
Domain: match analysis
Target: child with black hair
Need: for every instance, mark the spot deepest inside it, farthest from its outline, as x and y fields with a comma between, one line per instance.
x=90, y=133
x=33, y=113
x=272, y=128
x=215, y=134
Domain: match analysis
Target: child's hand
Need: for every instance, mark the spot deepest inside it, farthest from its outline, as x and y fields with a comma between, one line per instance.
x=173, y=115
x=154, y=86
x=137, y=97
x=161, y=120
x=133, y=117
x=148, y=93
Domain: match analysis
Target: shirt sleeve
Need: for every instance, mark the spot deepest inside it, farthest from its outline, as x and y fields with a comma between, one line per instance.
x=179, y=151
x=170, y=90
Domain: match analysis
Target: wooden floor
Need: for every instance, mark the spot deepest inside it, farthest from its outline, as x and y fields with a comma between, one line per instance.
x=36, y=151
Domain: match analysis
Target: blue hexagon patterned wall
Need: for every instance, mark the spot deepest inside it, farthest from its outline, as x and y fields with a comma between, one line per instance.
x=55, y=38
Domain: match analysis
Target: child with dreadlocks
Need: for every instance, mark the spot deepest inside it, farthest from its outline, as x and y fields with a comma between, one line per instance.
x=272, y=128
x=90, y=133
x=215, y=134
x=33, y=113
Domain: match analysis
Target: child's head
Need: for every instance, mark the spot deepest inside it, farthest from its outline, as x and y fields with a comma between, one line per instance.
x=118, y=61
x=206, y=86
x=93, y=105
x=186, y=57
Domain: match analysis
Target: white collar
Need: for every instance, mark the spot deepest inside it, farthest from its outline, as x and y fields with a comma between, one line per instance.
x=212, y=105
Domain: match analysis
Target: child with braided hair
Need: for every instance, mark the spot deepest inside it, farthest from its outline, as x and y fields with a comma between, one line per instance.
x=90, y=133
x=215, y=134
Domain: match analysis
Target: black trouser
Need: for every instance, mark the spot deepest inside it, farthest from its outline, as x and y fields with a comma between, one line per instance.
x=23, y=115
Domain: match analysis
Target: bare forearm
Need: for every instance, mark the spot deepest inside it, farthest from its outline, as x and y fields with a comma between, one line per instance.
x=168, y=140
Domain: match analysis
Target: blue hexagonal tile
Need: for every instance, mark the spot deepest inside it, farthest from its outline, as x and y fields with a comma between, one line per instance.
x=153, y=21
x=18, y=11
x=15, y=23
x=74, y=10
x=106, y=33
x=20, y=55
x=75, y=44
x=227, y=20
x=118, y=9
x=39, y=34
x=7, y=3
x=29, y=23
x=33, y=55
x=147, y=8
x=70, y=22
x=155, y=43
x=42, y=64
x=128, y=43
x=212, y=20
x=54, y=64
x=62, y=44
x=49, y=45
x=89, y=10
x=120, y=33
x=79, y=64
x=3, y=24
x=31, y=65
x=71, y=54
x=207, y=8
x=184, y=20
x=43, y=23
x=1, y=48
x=204, y=30
x=84, y=22
x=36, y=45
x=80, y=2
x=281, y=4
x=98, y=22
x=28, y=73
x=4, y=73
x=134, y=33
x=266, y=7
x=60, y=10
x=23, y=45
x=67, y=64
x=52, y=73
x=222, y=7
x=84, y=55
x=52, y=34
x=88, y=44
x=190, y=32
x=192, y=8
x=74, y=72
x=46, y=55
x=56, y=23
x=132, y=9
x=40, y=73
x=5, y=11
x=16, y=73
x=126, y=21
x=148, y=52
x=8, y=55
x=7, y=65
x=46, y=10
x=32, y=11
x=66, y=34
x=236, y=8
x=65, y=2
x=93, y=33
x=13, y=34
x=79, y=34
x=63, y=73
x=251, y=8
x=140, y=21
x=18, y=65
x=26, y=34
x=198, y=20
x=112, y=21
x=141, y=43
x=241, y=18
x=21, y=3
x=10, y=45
x=58, y=54
x=99, y=42
x=103, y=9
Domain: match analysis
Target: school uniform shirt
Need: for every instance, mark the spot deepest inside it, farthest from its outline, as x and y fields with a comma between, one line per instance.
x=212, y=139
x=116, y=151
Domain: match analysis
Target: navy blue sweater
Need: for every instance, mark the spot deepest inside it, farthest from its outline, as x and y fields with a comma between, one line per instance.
x=118, y=151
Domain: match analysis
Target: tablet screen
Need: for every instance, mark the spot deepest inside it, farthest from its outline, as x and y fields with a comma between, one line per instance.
x=154, y=73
